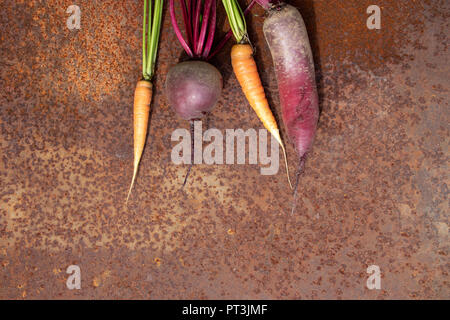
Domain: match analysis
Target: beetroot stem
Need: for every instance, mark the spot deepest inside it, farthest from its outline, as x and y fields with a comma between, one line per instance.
x=205, y=20
x=177, y=29
x=266, y=4
x=187, y=21
x=211, y=31
x=196, y=21
x=188, y=7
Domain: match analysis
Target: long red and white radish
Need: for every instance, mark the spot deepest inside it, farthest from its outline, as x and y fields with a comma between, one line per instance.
x=287, y=38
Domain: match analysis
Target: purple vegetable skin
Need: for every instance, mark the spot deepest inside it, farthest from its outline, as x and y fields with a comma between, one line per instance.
x=286, y=35
x=193, y=88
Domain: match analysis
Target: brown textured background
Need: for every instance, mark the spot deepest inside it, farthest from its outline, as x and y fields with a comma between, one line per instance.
x=374, y=191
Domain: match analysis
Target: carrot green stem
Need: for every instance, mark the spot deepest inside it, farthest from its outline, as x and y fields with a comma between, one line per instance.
x=144, y=47
x=156, y=28
x=229, y=34
x=236, y=19
x=150, y=37
x=149, y=27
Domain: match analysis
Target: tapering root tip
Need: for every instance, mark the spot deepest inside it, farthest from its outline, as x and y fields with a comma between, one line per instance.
x=192, y=154
x=277, y=136
x=299, y=172
x=187, y=175
x=132, y=183
x=287, y=167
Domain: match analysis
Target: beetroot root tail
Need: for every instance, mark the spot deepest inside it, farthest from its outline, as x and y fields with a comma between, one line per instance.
x=192, y=154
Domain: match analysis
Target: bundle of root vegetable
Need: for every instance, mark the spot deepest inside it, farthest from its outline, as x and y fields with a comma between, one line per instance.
x=193, y=87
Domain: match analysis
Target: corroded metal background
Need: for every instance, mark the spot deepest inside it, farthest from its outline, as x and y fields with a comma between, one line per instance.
x=374, y=191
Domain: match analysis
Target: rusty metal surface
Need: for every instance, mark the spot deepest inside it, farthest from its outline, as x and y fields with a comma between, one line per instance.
x=374, y=191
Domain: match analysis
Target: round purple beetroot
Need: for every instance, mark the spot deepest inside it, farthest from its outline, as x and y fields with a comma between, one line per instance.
x=193, y=88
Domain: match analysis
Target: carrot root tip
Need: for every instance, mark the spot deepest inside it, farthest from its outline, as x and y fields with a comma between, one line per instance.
x=287, y=167
x=132, y=183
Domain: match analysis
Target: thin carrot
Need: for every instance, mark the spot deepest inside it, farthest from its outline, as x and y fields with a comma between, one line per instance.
x=144, y=88
x=246, y=72
x=141, y=110
x=244, y=68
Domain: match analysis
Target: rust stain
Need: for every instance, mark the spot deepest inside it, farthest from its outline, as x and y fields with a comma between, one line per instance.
x=374, y=190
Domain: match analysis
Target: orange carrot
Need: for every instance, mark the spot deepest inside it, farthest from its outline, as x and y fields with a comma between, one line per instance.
x=141, y=110
x=244, y=68
x=151, y=28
